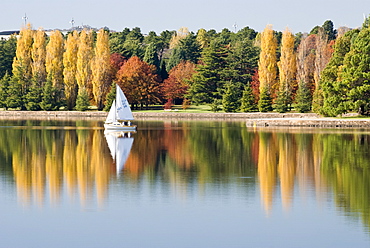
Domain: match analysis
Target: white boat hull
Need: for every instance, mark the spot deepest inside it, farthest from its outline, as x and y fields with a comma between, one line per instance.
x=112, y=126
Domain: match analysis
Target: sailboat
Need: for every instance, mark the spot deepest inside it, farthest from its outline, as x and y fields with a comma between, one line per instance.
x=119, y=143
x=120, y=115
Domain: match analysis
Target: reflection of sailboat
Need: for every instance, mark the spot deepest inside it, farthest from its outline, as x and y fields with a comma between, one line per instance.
x=120, y=115
x=119, y=144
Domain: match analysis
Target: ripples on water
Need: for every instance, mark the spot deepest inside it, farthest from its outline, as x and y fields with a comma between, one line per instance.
x=182, y=184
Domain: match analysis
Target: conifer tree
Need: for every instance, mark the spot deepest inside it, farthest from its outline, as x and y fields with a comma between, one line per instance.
x=82, y=102
x=33, y=97
x=15, y=97
x=231, y=97
x=50, y=97
x=265, y=102
x=4, y=87
x=303, y=98
x=101, y=80
x=248, y=100
x=70, y=69
x=356, y=73
x=111, y=96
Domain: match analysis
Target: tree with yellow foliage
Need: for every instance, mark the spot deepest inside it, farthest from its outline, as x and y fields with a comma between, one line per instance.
x=38, y=54
x=287, y=72
x=83, y=74
x=22, y=61
x=70, y=69
x=100, y=66
x=179, y=35
x=267, y=68
x=54, y=59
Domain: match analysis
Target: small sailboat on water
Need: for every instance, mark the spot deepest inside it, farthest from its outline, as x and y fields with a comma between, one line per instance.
x=120, y=115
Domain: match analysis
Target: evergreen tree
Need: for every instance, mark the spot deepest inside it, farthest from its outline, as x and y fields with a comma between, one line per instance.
x=111, y=96
x=7, y=54
x=33, y=97
x=334, y=89
x=4, y=87
x=151, y=56
x=230, y=99
x=248, y=100
x=215, y=105
x=15, y=96
x=303, y=98
x=186, y=49
x=208, y=79
x=356, y=73
x=82, y=102
x=265, y=102
x=281, y=103
x=49, y=99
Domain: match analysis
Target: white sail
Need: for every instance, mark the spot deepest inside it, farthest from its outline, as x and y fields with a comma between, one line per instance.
x=112, y=113
x=123, y=109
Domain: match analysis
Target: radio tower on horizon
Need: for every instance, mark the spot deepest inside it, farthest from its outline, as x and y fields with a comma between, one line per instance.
x=25, y=18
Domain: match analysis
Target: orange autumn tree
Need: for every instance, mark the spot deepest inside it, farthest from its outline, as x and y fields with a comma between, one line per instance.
x=177, y=84
x=139, y=82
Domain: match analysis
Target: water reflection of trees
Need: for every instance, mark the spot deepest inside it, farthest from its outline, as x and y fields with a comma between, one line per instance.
x=51, y=162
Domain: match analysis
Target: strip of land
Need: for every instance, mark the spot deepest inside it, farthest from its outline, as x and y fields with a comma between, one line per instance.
x=251, y=119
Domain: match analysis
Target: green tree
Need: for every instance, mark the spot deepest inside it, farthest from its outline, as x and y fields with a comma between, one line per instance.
x=50, y=97
x=82, y=102
x=356, y=73
x=303, y=100
x=265, y=102
x=33, y=97
x=247, y=102
x=4, y=87
x=15, y=96
x=208, y=80
x=187, y=49
x=111, y=96
x=7, y=54
x=231, y=97
x=334, y=89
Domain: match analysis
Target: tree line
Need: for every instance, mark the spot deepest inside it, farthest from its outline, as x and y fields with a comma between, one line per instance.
x=325, y=71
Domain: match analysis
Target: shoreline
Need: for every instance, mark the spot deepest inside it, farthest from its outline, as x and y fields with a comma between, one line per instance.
x=256, y=119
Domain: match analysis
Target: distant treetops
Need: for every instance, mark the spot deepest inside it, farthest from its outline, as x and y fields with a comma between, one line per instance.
x=326, y=71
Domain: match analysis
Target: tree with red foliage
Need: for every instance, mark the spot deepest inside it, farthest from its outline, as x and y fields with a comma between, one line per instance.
x=116, y=62
x=177, y=84
x=140, y=82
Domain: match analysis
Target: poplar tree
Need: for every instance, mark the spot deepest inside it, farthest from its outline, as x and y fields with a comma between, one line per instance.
x=22, y=63
x=54, y=59
x=70, y=69
x=267, y=68
x=38, y=57
x=84, y=56
x=100, y=67
x=287, y=72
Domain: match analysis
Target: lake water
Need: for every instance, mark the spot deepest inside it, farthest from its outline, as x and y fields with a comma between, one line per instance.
x=182, y=184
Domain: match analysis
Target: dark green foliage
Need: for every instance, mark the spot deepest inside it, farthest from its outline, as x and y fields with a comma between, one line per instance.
x=111, y=96
x=208, y=79
x=7, y=54
x=265, y=102
x=14, y=99
x=4, y=87
x=333, y=88
x=231, y=97
x=303, y=98
x=356, y=73
x=33, y=97
x=49, y=97
x=82, y=102
x=247, y=102
x=188, y=49
x=151, y=56
x=329, y=30
x=282, y=99
x=215, y=105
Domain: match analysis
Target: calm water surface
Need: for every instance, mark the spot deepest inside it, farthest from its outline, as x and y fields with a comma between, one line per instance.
x=182, y=184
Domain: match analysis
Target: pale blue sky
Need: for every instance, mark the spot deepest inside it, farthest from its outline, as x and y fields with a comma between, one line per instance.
x=159, y=15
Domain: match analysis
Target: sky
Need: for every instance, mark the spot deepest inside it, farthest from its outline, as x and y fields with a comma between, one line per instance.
x=160, y=15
